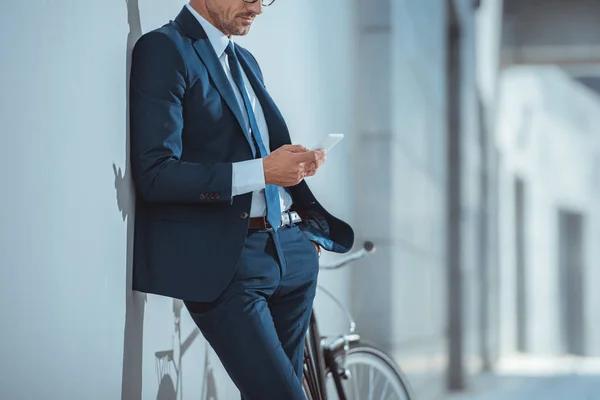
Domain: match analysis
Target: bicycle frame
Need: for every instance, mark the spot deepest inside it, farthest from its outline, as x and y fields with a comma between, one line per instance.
x=314, y=363
x=319, y=360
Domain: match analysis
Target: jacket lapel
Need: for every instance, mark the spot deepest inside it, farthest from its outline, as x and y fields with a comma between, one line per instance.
x=278, y=131
x=207, y=54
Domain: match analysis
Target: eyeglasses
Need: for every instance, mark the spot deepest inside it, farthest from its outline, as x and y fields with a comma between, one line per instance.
x=265, y=3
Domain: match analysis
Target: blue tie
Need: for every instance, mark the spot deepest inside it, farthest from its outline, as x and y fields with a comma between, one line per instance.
x=271, y=191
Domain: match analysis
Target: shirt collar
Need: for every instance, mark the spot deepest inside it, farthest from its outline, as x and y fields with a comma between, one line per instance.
x=218, y=39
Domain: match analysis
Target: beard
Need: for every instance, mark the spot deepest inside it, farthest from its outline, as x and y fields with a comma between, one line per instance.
x=235, y=28
x=228, y=26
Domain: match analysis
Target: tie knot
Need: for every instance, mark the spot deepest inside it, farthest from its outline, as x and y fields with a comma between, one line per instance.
x=230, y=51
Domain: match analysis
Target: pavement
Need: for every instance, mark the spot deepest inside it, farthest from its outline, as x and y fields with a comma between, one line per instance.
x=531, y=378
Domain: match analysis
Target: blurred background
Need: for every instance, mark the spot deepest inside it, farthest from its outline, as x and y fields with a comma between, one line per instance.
x=471, y=160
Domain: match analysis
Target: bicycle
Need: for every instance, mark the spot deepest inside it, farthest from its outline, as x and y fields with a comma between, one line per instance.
x=346, y=366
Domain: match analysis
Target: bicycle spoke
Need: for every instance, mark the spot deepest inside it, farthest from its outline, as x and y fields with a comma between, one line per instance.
x=385, y=389
x=354, y=377
x=371, y=379
x=380, y=377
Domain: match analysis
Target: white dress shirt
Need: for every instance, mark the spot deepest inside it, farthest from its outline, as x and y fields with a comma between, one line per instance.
x=248, y=176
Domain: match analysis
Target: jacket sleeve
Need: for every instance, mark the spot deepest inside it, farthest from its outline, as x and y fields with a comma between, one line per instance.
x=157, y=89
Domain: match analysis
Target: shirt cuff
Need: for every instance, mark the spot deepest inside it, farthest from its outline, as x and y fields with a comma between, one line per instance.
x=248, y=176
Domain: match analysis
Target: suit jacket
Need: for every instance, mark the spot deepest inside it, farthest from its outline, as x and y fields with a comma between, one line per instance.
x=186, y=132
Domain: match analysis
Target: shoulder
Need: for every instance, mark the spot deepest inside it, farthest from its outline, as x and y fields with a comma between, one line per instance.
x=159, y=57
x=167, y=38
x=163, y=45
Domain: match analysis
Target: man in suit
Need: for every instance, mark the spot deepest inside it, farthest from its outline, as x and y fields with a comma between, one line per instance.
x=224, y=220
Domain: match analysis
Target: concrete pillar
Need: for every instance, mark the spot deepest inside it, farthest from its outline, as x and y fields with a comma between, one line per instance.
x=372, y=289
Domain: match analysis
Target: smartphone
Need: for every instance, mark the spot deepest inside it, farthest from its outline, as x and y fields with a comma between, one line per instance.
x=329, y=141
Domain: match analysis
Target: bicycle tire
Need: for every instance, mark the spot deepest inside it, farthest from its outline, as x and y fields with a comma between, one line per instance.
x=361, y=351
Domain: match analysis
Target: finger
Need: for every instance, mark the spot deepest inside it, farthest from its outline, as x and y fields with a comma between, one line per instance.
x=301, y=173
x=319, y=154
x=309, y=156
x=311, y=172
x=310, y=169
x=294, y=148
x=315, y=164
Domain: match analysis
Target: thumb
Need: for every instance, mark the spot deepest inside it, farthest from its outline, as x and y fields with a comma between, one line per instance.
x=294, y=148
x=308, y=156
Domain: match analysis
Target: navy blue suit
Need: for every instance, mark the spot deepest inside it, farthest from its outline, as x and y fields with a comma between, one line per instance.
x=191, y=236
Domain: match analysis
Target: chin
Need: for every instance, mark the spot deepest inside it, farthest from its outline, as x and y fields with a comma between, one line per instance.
x=242, y=31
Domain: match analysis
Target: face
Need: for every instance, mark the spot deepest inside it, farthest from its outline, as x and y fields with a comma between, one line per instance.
x=233, y=17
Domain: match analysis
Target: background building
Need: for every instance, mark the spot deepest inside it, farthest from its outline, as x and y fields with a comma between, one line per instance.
x=549, y=197
x=470, y=159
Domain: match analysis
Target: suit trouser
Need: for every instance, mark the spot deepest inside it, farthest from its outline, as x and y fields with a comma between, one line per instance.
x=257, y=326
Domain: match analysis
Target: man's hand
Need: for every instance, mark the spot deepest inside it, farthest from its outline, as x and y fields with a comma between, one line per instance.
x=318, y=248
x=289, y=164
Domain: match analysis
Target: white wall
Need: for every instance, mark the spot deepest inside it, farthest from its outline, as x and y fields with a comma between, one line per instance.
x=66, y=213
x=548, y=136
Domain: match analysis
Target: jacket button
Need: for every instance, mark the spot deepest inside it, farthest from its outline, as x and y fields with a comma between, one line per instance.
x=244, y=215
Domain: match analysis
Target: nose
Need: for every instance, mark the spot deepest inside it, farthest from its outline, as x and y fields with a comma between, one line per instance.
x=256, y=7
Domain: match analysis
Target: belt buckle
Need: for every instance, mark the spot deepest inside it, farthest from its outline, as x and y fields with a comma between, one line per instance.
x=285, y=219
x=290, y=218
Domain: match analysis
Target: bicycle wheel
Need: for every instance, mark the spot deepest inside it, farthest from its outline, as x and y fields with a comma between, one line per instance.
x=374, y=376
